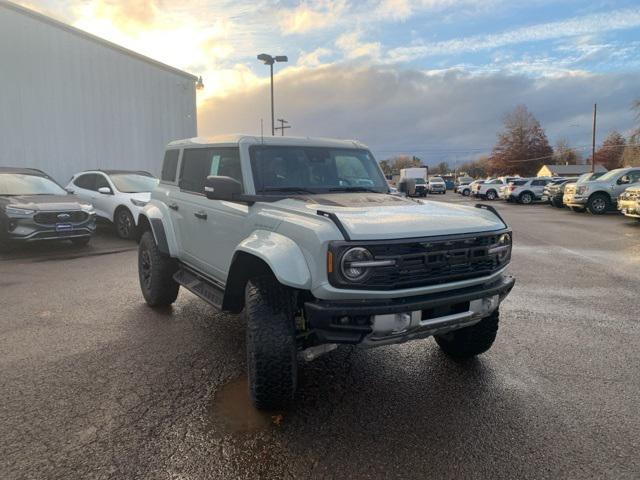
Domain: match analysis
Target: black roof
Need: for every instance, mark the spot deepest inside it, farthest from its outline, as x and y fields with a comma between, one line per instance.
x=23, y=171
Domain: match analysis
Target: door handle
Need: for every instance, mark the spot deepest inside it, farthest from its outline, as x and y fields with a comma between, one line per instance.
x=201, y=215
x=173, y=206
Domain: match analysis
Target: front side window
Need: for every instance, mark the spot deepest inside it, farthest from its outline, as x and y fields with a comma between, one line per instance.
x=133, y=182
x=170, y=166
x=199, y=163
x=314, y=170
x=101, y=181
x=18, y=184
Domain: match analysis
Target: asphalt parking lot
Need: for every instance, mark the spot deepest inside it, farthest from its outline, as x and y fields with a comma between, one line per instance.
x=93, y=384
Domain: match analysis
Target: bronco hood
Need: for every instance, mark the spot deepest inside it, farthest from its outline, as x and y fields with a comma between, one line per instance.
x=376, y=216
x=47, y=202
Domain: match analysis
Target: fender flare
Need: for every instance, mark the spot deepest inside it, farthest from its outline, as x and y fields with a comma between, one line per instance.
x=162, y=229
x=283, y=256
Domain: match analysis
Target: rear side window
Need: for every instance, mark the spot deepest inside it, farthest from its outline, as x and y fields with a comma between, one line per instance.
x=86, y=181
x=170, y=166
x=199, y=163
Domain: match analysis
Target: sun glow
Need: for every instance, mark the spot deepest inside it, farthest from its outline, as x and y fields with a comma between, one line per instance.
x=181, y=42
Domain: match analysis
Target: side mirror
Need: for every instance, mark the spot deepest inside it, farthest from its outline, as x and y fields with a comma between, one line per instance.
x=222, y=188
x=105, y=191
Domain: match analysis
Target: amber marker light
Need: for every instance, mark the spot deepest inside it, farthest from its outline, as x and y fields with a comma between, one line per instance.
x=330, y=262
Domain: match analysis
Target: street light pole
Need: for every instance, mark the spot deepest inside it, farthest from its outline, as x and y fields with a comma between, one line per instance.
x=270, y=60
x=273, y=127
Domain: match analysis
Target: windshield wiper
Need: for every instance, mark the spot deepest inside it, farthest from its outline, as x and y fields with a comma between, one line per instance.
x=355, y=189
x=288, y=190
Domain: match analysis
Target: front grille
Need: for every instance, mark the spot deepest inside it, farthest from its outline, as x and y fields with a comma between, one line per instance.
x=51, y=218
x=424, y=262
x=633, y=195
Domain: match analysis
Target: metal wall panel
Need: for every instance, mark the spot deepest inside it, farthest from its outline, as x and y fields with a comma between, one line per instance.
x=69, y=103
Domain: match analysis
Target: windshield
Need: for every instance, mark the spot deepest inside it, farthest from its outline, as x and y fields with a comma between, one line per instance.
x=19, y=184
x=610, y=175
x=436, y=180
x=314, y=170
x=518, y=182
x=133, y=182
x=419, y=181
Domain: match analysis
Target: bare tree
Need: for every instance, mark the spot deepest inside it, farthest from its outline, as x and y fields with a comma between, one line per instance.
x=631, y=153
x=609, y=155
x=563, y=154
x=522, y=146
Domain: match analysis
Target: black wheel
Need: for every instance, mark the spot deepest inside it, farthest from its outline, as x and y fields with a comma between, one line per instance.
x=155, y=271
x=525, y=198
x=81, y=241
x=125, y=226
x=491, y=195
x=465, y=192
x=598, y=203
x=272, y=365
x=556, y=203
x=470, y=341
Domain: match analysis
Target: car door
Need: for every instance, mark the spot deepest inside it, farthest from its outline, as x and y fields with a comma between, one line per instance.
x=623, y=182
x=84, y=186
x=537, y=187
x=103, y=202
x=209, y=230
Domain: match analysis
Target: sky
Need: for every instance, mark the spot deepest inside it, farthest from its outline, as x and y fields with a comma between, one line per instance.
x=432, y=78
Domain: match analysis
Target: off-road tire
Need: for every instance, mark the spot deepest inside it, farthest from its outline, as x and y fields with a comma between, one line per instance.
x=124, y=223
x=81, y=241
x=491, y=195
x=155, y=272
x=470, y=341
x=272, y=365
x=598, y=204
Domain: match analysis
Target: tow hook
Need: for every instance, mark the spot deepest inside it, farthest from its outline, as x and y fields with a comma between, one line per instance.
x=311, y=353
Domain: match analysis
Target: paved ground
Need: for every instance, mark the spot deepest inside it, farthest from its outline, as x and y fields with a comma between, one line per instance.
x=93, y=384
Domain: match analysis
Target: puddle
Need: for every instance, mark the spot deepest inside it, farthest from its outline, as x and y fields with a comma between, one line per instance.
x=232, y=412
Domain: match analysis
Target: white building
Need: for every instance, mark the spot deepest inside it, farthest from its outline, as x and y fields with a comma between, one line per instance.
x=70, y=101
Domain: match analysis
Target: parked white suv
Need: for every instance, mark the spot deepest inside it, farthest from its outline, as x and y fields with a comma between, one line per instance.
x=116, y=195
x=526, y=190
x=437, y=185
x=490, y=188
x=284, y=229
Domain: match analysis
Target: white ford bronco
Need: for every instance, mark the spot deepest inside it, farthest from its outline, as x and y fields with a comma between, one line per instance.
x=303, y=236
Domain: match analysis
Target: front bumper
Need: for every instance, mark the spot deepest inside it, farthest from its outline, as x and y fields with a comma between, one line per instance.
x=26, y=229
x=630, y=208
x=363, y=321
x=574, y=200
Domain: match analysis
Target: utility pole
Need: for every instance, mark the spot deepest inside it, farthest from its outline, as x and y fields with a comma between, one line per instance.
x=282, y=125
x=593, y=140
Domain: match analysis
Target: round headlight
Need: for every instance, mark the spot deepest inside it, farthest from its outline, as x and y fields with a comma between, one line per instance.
x=349, y=263
x=505, y=239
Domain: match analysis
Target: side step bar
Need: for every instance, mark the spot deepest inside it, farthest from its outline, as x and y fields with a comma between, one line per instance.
x=200, y=287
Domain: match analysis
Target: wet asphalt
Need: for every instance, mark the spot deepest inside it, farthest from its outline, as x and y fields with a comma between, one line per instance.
x=94, y=384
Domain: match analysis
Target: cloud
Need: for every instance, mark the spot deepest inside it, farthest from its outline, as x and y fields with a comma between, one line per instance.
x=353, y=47
x=304, y=18
x=585, y=25
x=447, y=115
x=313, y=59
